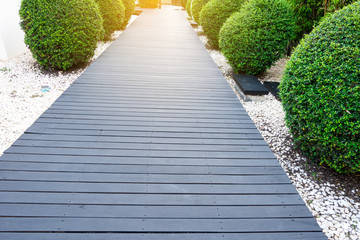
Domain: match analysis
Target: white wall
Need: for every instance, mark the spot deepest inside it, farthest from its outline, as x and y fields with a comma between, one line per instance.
x=11, y=35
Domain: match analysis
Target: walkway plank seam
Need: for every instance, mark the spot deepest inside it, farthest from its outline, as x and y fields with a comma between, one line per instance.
x=149, y=143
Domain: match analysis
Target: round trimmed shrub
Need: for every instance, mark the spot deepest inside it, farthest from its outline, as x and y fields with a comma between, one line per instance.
x=113, y=14
x=129, y=11
x=188, y=7
x=196, y=7
x=61, y=33
x=320, y=92
x=214, y=14
x=254, y=38
x=149, y=3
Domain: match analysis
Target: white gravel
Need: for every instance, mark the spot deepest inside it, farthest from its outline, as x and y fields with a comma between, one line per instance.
x=21, y=98
x=337, y=214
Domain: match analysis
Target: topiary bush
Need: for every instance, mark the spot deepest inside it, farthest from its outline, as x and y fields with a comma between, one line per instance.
x=320, y=92
x=149, y=3
x=61, y=33
x=188, y=7
x=196, y=7
x=129, y=11
x=214, y=14
x=113, y=14
x=254, y=38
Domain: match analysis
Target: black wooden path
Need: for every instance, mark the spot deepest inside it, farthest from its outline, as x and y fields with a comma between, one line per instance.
x=149, y=143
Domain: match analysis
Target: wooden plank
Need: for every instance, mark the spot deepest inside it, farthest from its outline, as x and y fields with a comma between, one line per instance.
x=170, y=212
x=155, y=106
x=137, y=168
x=150, y=199
x=131, y=160
x=241, y=119
x=143, y=96
x=92, y=80
x=125, y=188
x=151, y=104
x=146, y=95
x=184, y=92
x=136, y=152
x=116, y=88
x=144, y=134
x=140, y=146
x=229, y=94
x=144, y=178
x=116, y=139
x=165, y=236
x=157, y=225
x=243, y=128
x=179, y=90
x=193, y=114
x=134, y=110
x=163, y=95
x=143, y=123
x=66, y=99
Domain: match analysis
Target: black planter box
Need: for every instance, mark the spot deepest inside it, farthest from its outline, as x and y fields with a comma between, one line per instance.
x=250, y=85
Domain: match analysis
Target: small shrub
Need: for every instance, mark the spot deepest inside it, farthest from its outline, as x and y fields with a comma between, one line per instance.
x=254, y=38
x=188, y=7
x=61, y=33
x=320, y=91
x=113, y=14
x=129, y=11
x=148, y=3
x=214, y=14
x=196, y=7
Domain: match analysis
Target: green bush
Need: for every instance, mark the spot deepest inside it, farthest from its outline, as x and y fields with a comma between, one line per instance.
x=113, y=14
x=196, y=7
x=61, y=33
x=188, y=7
x=254, y=38
x=149, y=3
x=214, y=14
x=129, y=11
x=309, y=12
x=321, y=93
x=183, y=3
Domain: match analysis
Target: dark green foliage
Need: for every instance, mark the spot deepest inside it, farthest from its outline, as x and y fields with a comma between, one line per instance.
x=129, y=10
x=214, y=14
x=254, y=38
x=188, y=7
x=321, y=91
x=113, y=14
x=149, y=3
x=196, y=7
x=309, y=12
x=61, y=33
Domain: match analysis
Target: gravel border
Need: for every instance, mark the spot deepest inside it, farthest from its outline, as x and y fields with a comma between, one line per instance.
x=334, y=204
